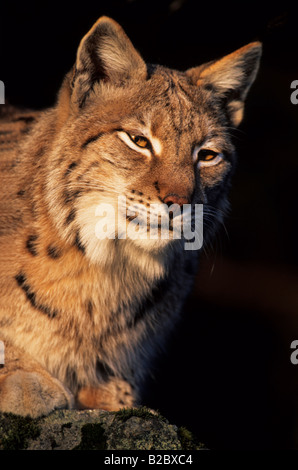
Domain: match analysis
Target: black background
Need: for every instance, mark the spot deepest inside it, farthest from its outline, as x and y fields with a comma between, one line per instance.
x=226, y=374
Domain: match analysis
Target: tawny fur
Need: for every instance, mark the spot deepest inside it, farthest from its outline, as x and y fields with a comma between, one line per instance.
x=82, y=318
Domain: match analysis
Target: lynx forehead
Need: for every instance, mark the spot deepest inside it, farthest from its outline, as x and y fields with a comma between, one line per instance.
x=82, y=317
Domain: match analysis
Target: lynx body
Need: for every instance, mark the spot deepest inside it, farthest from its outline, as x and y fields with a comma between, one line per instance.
x=82, y=317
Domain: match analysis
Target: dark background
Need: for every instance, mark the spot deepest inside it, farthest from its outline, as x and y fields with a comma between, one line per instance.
x=227, y=374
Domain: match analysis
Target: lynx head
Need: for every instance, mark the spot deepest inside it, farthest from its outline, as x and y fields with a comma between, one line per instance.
x=146, y=133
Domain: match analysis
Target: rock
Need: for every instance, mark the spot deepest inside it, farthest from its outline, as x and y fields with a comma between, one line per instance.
x=127, y=429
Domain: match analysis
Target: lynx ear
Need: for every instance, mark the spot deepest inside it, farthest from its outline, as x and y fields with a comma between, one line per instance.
x=231, y=77
x=105, y=54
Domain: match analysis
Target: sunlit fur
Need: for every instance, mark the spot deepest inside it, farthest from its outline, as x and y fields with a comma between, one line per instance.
x=82, y=318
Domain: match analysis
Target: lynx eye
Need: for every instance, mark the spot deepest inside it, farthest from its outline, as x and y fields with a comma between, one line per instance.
x=140, y=141
x=136, y=142
x=207, y=157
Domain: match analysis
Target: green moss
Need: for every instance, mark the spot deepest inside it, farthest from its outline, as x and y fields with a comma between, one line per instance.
x=188, y=440
x=15, y=431
x=143, y=412
x=93, y=437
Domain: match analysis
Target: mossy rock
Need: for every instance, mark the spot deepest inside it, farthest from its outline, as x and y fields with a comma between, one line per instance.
x=16, y=431
x=127, y=429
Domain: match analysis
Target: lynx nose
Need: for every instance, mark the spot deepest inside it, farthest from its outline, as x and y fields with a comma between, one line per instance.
x=176, y=199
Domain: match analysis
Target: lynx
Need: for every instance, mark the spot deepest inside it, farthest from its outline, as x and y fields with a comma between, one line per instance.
x=82, y=318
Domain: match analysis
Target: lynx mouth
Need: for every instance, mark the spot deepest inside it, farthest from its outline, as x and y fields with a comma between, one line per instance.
x=156, y=222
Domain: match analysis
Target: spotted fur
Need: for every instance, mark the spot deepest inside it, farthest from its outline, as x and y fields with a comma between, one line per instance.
x=82, y=318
